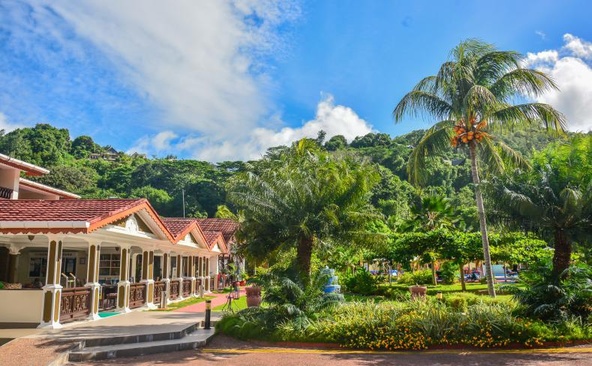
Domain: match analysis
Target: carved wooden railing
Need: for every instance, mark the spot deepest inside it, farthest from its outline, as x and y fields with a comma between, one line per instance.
x=137, y=295
x=159, y=288
x=186, y=288
x=6, y=193
x=75, y=304
x=174, y=290
x=108, y=297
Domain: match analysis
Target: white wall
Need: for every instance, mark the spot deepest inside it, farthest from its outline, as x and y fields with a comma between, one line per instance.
x=21, y=306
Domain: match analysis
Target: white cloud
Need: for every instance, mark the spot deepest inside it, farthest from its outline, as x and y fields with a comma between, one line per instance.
x=331, y=118
x=569, y=69
x=199, y=61
x=578, y=47
x=7, y=126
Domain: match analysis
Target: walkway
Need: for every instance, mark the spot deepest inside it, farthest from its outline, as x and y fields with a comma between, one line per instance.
x=42, y=346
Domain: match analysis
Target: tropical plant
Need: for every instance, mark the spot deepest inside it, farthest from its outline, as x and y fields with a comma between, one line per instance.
x=471, y=97
x=303, y=197
x=556, y=299
x=554, y=198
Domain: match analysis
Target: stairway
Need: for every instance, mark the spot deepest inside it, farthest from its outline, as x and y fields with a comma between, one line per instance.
x=191, y=337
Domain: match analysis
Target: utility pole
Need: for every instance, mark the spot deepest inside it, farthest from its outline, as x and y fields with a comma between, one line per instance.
x=183, y=195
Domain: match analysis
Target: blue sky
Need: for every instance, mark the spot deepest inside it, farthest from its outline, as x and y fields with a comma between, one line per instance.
x=224, y=80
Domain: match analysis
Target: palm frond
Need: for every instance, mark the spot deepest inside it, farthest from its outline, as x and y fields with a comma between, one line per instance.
x=532, y=113
x=436, y=139
x=417, y=101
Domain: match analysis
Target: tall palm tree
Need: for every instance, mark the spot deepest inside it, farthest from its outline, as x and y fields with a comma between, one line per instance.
x=471, y=97
x=301, y=197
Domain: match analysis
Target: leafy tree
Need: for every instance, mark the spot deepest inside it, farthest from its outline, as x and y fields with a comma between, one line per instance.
x=335, y=143
x=80, y=180
x=302, y=197
x=83, y=146
x=470, y=97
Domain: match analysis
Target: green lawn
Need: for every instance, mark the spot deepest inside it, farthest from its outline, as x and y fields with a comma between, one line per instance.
x=237, y=305
x=187, y=302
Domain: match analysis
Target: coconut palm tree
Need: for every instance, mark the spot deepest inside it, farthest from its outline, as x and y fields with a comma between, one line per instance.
x=471, y=97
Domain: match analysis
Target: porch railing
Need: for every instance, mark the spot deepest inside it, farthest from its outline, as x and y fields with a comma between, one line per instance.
x=75, y=304
x=159, y=288
x=137, y=295
x=6, y=193
x=174, y=290
x=186, y=288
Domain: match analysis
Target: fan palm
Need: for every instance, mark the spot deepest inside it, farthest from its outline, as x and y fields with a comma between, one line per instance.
x=471, y=97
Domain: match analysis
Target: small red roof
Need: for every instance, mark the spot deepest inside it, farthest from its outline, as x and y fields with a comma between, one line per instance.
x=227, y=227
x=28, y=168
x=213, y=237
x=179, y=227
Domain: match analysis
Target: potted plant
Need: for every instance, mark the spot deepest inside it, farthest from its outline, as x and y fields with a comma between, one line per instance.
x=418, y=291
x=253, y=295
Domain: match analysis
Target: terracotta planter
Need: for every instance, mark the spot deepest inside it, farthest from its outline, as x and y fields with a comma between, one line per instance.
x=418, y=292
x=253, y=296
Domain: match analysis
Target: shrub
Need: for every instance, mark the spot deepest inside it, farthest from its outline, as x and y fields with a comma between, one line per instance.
x=556, y=299
x=361, y=282
x=423, y=277
x=448, y=273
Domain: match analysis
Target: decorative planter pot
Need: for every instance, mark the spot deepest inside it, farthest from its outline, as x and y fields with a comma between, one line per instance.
x=418, y=292
x=253, y=296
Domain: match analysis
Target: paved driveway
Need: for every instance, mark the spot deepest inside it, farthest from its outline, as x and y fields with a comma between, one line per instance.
x=224, y=351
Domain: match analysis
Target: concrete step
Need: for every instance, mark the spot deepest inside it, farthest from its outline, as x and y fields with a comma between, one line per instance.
x=198, y=338
x=139, y=338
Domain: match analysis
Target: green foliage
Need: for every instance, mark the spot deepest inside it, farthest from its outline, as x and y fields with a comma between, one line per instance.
x=361, y=282
x=422, y=277
x=448, y=273
x=286, y=300
x=301, y=197
x=416, y=325
x=555, y=299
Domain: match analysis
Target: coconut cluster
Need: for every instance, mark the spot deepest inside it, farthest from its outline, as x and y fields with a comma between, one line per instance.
x=465, y=133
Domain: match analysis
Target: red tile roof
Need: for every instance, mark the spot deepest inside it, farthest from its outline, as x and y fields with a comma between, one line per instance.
x=30, y=169
x=213, y=237
x=42, y=187
x=179, y=227
x=227, y=227
x=72, y=216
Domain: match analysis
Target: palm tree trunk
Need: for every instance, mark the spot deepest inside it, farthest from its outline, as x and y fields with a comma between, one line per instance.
x=482, y=221
x=562, y=255
x=303, y=255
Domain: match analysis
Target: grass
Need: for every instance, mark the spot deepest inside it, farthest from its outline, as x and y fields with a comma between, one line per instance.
x=237, y=305
x=184, y=303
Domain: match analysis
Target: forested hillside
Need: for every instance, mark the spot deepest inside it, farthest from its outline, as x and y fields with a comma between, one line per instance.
x=81, y=166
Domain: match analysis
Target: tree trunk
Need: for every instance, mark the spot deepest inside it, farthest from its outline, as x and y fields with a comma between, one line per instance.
x=434, y=276
x=462, y=277
x=303, y=255
x=562, y=256
x=482, y=221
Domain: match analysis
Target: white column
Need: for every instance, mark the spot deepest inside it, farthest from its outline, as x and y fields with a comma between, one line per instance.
x=92, y=278
x=123, y=286
x=52, y=291
x=166, y=275
x=148, y=277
